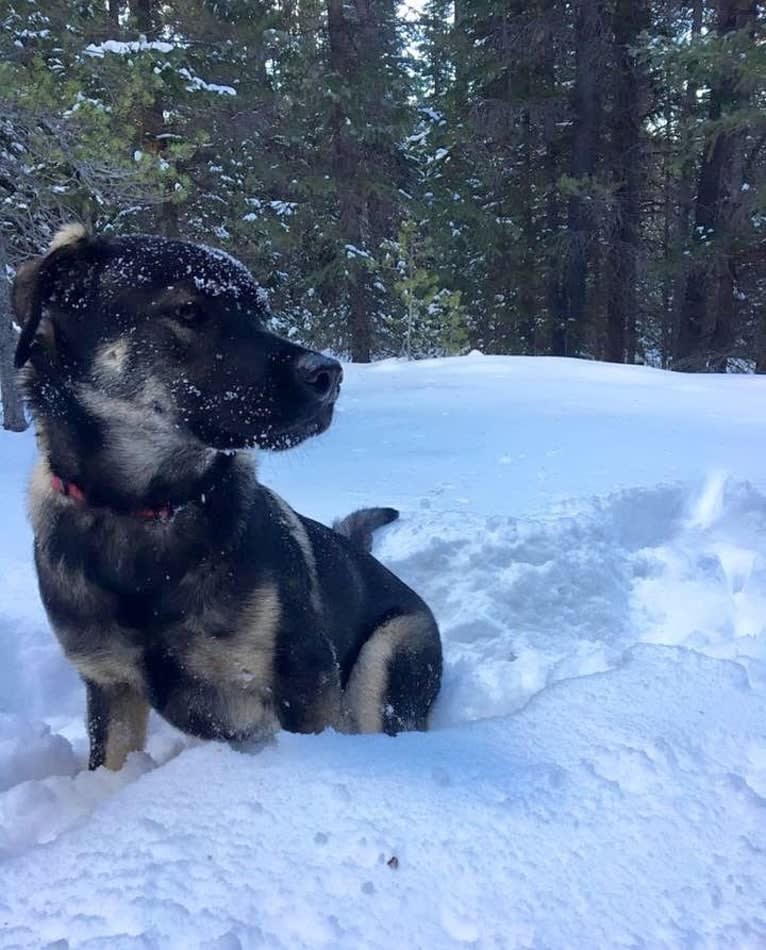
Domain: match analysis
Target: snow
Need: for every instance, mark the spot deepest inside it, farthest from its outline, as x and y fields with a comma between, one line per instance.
x=283, y=208
x=431, y=114
x=592, y=539
x=280, y=208
x=120, y=48
x=196, y=84
x=353, y=251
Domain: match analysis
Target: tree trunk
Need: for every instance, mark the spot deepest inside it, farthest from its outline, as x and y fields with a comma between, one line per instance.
x=553, y=205
x=685, y=197
x=630, y=18
x=760, y=359
x=568, y=333
x=113, y=13
x=354, y=43
x=151, y=121
x=13, y=407
x=528, y=271
x=706, y=324
x=667, y=324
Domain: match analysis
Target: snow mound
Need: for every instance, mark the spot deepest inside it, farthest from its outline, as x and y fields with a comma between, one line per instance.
x=592, y=540
x=592, y=816
x=30, y=751
x=523, y=603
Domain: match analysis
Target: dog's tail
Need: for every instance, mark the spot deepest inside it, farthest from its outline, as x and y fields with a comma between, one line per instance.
x=359, y=526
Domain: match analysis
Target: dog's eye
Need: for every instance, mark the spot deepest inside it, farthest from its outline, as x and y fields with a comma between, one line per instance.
x=189, y=312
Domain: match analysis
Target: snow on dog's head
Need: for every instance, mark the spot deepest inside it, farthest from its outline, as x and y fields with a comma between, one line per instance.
x=148, y=339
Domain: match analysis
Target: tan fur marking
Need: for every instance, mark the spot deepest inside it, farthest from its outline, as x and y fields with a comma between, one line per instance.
x=112, y=667
x=110, y=359
x=365, y=693
x=303, y=541
x=68, y=234
x=126, y=731
x=139, y=439
x=252, y=713
x=243, y=663
x=41, y=495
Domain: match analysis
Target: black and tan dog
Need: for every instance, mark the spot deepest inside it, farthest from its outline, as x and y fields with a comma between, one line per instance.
x=172, y=578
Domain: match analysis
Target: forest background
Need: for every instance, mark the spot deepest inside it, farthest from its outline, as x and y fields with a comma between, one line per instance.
x=546, y=177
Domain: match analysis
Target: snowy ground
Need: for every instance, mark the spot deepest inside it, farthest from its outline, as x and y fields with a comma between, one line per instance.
x=593, y=541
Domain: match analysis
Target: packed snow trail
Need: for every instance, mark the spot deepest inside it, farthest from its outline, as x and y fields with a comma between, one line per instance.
x=592, y=540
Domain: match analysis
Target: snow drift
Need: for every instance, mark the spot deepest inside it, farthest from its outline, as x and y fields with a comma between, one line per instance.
x=592, y=540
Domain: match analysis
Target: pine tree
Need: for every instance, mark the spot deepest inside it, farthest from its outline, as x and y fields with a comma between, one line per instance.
x=706, y=331
x=540, y=177
x=626, y=159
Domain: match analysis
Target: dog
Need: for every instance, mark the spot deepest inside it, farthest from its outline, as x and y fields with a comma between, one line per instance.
x=172, y=578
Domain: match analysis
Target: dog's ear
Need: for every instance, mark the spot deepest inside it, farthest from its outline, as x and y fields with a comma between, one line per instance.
x=34, y=283
x=23, y=293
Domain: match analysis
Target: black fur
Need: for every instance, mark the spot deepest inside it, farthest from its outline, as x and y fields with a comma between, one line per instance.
x=149, y=366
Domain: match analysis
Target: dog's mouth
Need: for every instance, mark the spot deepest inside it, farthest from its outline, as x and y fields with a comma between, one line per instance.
x=278, y=439
x=274, y=435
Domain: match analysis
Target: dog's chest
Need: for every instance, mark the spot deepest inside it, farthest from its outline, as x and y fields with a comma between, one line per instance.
x=204, y=666
x=213, y=688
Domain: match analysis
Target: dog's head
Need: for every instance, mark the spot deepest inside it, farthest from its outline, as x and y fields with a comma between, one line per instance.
x=169, y=337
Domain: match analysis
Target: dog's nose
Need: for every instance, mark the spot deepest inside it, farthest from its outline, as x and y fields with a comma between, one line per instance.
x=320, y=375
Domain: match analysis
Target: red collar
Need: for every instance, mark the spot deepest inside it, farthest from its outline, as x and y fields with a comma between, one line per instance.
x=164, y=513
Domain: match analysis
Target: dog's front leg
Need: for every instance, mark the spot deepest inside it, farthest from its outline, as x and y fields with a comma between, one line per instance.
x=117, y=718
x=308, y=695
